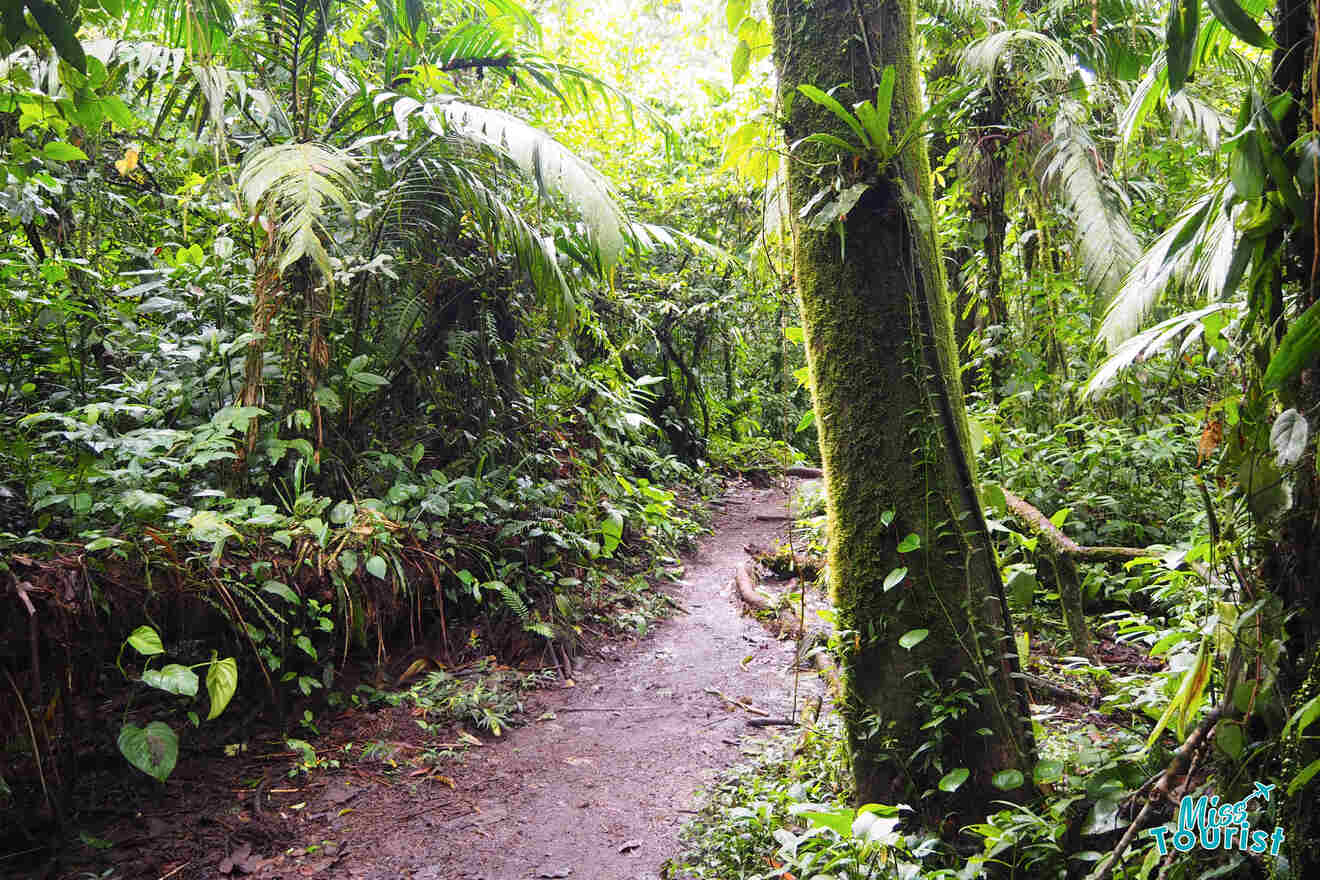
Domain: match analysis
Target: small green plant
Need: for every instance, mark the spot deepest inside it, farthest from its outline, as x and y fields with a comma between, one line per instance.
x=154, y=749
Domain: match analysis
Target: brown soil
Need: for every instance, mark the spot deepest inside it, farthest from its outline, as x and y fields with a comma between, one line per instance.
x=597, y=784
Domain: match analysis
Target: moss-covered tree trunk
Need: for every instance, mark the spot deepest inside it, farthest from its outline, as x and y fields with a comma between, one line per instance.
x=893, y=433
x=1292, y=566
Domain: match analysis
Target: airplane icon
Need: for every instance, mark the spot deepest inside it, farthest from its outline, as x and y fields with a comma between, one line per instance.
x=1262, y=791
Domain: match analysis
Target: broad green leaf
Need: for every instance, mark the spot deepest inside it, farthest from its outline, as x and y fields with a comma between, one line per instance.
x=912, y=638
x=829, y=140
x=910, y=543
x=146, y=641
x=1183, y=25
x=143, y=502
x=62, y=152
x=206, y=525
x=348, y=562
x=1303, y=777
x=1020, y=582
x=376, y=566
x=1300, y=346
x=172, y=678
x=1007, y=780
x=829, y=103
x=839, y=821
x=1246, y=166
x=221, y=684
x=1288, y=438
x=742, y=56
x=283, y=591
x=1229, y=739
x=894, y=578
x=153, y=749
x=807, y=420
x=118, y=112
x=59, y=30
x=1047, y=771
x=734, y=13
x=1239, y=23
x=611, y=529
x=954, y=779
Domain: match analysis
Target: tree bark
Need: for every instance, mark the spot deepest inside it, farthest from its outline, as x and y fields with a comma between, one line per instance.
x=1292, y=566
x=893, y=434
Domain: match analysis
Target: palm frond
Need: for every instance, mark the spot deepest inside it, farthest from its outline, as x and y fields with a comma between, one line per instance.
x=1024, y=49
x=1147, y=344
x=553, y=167
x=500, y=223
x=1192, y=115
x=1194, y=254
x=291, y=183
x=1069, y=166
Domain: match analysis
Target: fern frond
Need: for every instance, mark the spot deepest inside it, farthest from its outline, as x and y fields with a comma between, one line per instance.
x=292, y=183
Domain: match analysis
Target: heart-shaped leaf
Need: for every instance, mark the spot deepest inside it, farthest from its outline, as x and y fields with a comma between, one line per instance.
x=173, y=678
x=894, y=578
x=146, y=641
x=954, y=779
x=221, y=683
x=1007, y=780
x=153, y=749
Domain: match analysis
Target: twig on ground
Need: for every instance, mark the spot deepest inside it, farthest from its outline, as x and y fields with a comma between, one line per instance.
x=738, y=703
x=1158, y=787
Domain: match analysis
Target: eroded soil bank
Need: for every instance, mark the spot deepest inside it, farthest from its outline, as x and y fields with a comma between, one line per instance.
x=597, y=785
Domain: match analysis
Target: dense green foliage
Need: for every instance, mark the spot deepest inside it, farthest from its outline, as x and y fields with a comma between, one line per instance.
x=330, y=329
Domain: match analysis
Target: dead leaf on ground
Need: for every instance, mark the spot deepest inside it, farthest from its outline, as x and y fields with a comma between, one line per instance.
x=240, y=860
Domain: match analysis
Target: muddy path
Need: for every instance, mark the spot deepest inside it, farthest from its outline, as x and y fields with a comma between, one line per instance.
x=601, y=785
x=597, y=784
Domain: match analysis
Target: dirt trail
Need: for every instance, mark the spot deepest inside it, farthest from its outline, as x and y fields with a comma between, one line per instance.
x=600, y=787
x=596, y=787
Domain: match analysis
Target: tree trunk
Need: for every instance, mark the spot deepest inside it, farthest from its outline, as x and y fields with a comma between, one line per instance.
x=1292, y=567
x=893, y=435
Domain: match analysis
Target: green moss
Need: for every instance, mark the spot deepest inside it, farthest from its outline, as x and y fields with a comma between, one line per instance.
x=881, y=355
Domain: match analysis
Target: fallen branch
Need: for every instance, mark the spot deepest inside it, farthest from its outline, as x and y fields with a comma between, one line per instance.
x=1158, y=787
x=1061, y=543
x=1035, y=682
x=771, y=722
x=745, y=581
x=738, y=703
x=679, y=606
x=1061, y=553
x=809, y=473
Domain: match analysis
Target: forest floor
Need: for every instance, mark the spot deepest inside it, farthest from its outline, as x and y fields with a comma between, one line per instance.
x=597, y=783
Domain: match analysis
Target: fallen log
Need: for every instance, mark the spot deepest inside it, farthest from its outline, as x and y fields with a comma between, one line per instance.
x=746, y=582
x=1061, y=553
x=1062, y=692
x=809, y=473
